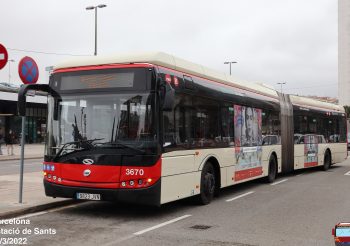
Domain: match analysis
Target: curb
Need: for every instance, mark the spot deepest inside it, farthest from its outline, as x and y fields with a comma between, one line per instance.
x=18, y=158
x=37, y=208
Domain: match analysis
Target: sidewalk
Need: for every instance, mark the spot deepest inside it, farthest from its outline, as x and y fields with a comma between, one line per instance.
x=34, y=199
x=31, y=151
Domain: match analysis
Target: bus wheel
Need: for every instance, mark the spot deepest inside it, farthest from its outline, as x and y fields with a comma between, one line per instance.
x=207, y=187
x=327, y=161
x=272, y=170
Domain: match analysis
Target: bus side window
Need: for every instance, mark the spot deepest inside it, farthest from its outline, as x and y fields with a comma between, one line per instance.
x=270, y=127
x=227, y=125
x=188, y=82
x=205, y=122
x=169, y=130
x=177, y=124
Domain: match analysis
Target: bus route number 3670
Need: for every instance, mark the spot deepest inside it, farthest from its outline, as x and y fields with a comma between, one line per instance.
x=134, y=171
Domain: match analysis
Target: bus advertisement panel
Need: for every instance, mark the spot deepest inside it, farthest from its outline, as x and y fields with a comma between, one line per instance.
x=310, y=151
x=248, y=151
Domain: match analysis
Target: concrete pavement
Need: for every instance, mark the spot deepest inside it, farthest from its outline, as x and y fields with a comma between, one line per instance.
x=34, y=198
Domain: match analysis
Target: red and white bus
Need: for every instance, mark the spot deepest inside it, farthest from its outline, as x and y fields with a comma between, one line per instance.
x=341, y=233
x=152, y=128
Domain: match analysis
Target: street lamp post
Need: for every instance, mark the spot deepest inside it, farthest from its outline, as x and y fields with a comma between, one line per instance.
x=281, y=83
x=230, y=64
x=95, y=8
x=9, y=61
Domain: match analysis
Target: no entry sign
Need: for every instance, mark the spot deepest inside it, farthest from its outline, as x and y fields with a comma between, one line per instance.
x=3, y=56
x=28, y=70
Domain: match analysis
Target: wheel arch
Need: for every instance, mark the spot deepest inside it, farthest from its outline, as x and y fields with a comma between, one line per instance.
x=274, y=155
x=214, y=161
x=327, y=149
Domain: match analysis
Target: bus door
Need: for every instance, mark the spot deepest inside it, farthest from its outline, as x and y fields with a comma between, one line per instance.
x=179, y=155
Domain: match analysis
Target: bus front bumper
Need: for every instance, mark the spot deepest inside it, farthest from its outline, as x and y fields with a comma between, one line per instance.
x=144, y=196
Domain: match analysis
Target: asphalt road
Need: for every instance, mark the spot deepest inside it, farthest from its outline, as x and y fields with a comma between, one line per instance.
x=13, y=166
x=298, y=209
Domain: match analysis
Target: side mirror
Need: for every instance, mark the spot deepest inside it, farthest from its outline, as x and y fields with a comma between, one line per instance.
x=333, y=232
x=23, y=91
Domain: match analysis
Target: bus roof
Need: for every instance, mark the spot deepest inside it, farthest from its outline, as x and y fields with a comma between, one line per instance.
x=172, y=62
x=343, y=224
x=315, y=104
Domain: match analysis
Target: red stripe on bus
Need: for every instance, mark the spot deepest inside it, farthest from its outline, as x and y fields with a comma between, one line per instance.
x=221, y=83
x=310, y=164
x=100, y=67
x=342, y=239
x=248, y=173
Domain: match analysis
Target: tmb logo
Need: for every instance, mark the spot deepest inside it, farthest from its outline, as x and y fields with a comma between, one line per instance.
x=88, y=161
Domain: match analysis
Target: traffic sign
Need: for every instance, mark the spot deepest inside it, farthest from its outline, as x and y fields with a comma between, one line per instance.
x=3, y=56
x=28, y=70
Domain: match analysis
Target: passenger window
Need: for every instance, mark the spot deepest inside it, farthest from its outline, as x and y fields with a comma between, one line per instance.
x=205, y=121
x=188, y=82
x=177, y=124
x=270, y=127
x=227, y=125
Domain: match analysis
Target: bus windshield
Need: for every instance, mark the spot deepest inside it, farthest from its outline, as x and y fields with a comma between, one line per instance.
x=99, y=120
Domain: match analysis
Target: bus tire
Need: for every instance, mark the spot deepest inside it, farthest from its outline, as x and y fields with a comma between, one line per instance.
x=208, y=184
x=327, y=161
x=272, y=172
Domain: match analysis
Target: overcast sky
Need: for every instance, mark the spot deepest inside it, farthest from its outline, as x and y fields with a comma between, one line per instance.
x=293, y=41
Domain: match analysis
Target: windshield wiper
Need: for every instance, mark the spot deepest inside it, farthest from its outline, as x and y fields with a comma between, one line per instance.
x=79, y=145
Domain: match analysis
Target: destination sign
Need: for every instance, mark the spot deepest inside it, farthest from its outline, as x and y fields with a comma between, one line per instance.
x=97, y=81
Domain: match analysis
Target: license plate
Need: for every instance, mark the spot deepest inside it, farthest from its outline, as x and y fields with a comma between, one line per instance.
x=88, y=196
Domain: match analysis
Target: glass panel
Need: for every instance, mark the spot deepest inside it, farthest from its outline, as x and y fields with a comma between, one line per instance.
x=342, y=232
x=227, y=127
x=205, y=123
x=104, y=120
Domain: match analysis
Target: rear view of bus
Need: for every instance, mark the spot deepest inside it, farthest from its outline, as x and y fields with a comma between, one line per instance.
x=102, y=141
x=341, y=234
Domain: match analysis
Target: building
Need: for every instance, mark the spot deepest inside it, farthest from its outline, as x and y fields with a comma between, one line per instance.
x=344, y=52
x=35, y=128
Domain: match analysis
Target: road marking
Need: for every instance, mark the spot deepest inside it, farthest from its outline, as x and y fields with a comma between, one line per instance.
x=119, y=240
x=348, y=173
x=162, y=224
x=62, y=208
x=276, y=183
x=31, y=215
x=45, y=212
x=237, y=197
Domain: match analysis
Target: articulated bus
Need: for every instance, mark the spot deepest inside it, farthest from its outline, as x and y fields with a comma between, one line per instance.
x=152, y=128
